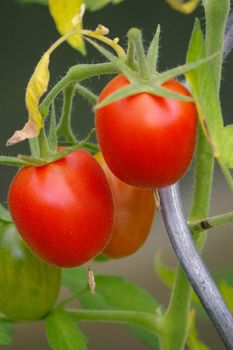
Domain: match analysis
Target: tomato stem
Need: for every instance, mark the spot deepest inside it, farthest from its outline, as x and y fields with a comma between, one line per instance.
x=43, y=144
x=75, y=73
x=64, y=127
x=135, y=36
x=86, y=93
x=130, y=60
x=138, y=318
x=198, y=275
x=211, y=222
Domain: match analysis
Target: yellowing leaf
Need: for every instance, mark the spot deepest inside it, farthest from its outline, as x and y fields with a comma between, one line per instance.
x=37, y=86
x=63, y=12
x=185, y=7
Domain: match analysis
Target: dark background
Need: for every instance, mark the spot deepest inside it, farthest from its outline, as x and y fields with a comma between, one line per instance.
x=25, y=33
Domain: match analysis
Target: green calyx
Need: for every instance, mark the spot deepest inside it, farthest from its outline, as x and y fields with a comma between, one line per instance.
x=140, y=68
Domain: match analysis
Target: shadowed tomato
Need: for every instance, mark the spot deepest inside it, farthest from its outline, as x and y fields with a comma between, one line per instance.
x=133, y=214
x=147, y=140
x=29, y=286
x=63, y=210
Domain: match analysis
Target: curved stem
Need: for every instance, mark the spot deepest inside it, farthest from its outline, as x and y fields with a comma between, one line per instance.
x=193, y=265
x=75, y=73
x=64, y=126
x=142, y=319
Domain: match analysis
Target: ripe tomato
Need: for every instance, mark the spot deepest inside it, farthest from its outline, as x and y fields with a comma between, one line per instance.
x=133, y=214
x=145, y=139
x=29, y=286
x=63, y=210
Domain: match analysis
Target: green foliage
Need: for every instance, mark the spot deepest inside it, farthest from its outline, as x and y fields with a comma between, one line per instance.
x=113, y=292
x=75, y=279
x=165, y=273
x=63, y=333
x=5, y=333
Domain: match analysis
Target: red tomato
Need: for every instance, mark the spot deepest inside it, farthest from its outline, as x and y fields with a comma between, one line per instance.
x=63, y=210
x=145, y=139
x=133, y=215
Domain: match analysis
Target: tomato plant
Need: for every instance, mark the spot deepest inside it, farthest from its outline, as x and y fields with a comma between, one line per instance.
x=29, y=286
x=133, y=214
x=53, y=207
x=147, y=140
x=69, y=209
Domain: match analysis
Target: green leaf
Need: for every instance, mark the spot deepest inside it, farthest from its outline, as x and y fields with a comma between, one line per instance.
x=226, y=138
x=63, y=333
x=227, y=293
x=113, y=292
x=166, y=274
x=94, y=5
x=188, y=67
x=5, y=216
x=75, y=279
x=39, y=2
x=5, y=333
x=153, y=51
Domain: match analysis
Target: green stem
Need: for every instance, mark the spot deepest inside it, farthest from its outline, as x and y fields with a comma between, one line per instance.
x=43, y=144
x=130, y=59
x=135, y=36
x=64, y=126
x=75, y=73
x=211, y=222
x=142, y=319
x=87, y=94
x=216, y=16
x=176, y=319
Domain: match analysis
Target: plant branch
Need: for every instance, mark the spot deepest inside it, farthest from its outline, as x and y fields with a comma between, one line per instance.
x=211, y=222
x=138, y=318
x=76, y=73
x=64, y=127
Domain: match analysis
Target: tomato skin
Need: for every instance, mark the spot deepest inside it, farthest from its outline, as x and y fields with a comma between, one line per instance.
x=147, y=140
x=133, y=215
x=29, y=286
x=63, y=210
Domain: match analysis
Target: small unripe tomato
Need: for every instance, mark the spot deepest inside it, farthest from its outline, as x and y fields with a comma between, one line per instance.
x=133, y=215
x=63, y=210
x=29, y=286
x=147, y=140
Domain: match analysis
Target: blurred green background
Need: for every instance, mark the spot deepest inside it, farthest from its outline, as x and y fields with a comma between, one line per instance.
x=25, y=33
